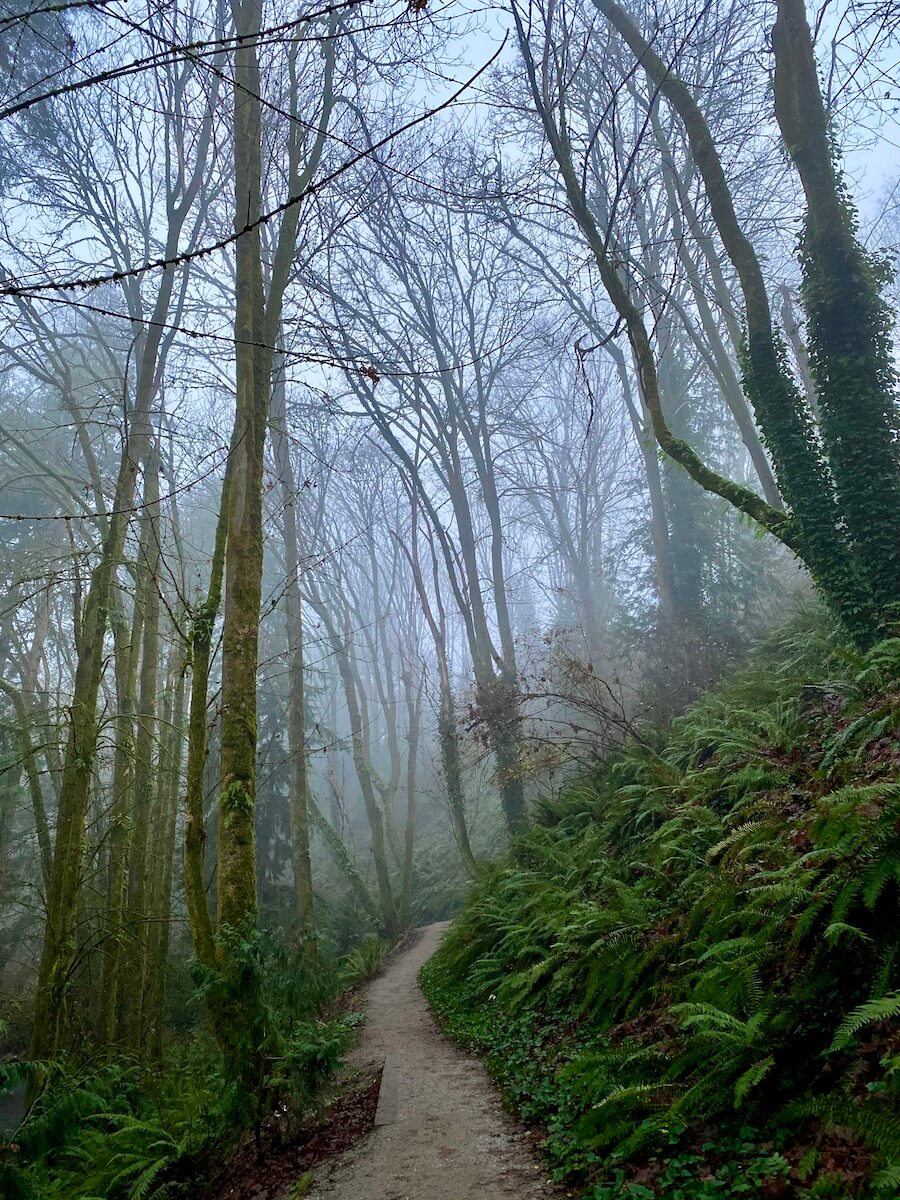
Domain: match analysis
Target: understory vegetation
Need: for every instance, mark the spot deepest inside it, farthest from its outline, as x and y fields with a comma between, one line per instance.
x=686, y=973
x=126, y=1130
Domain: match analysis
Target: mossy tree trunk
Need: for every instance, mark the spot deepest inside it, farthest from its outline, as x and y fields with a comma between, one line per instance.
x=814, y=525
x=256, y=324
x=448, y=739
x=341, y=855
x=170, y=760
x=59, y=944
x=127, y=640
x=9, y=787
x=849, y=327
x=138, y=916
x=244, y=548
x=202, y=627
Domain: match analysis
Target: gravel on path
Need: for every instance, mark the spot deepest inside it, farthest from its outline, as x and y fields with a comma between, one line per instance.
x=441, y=1132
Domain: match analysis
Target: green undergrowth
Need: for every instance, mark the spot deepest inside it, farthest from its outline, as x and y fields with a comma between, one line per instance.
x=155, y=1129
x=687, y=973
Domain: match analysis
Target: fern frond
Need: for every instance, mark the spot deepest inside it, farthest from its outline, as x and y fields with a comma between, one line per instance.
x=750, y=1078
x=883, y=1009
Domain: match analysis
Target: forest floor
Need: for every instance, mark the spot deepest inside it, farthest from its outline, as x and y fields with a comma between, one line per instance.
x=440, y=1130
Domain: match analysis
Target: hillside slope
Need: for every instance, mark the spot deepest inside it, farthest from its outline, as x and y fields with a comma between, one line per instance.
x=686, y=974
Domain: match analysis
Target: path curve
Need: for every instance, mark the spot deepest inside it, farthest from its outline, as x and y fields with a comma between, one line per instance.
x=441, y=1132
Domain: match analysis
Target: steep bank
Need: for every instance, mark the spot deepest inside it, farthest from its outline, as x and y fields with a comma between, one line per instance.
x=687, y=972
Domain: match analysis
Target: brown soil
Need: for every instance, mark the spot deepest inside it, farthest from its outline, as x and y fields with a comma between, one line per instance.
x=271, y=1174
x=440, y=1130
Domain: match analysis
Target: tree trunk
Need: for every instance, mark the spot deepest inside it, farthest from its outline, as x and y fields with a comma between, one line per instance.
x=244, y=549
x=58, y=950
x=341, y=856
x=169, y=786
x=29, y=762
x=9, y=787
x=448, y=738
x=498, y=704
x=448, y=733
x=201, y=636
x=297, y=748
x=365, y=775
x=127, y=642
x=813, y=529
x=848, y=320
x=414, y=720
x=135, y=956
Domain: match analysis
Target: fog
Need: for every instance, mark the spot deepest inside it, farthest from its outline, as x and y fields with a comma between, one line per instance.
x=402, y=408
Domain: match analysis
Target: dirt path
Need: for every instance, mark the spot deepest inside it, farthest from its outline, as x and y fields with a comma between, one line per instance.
x=441, y=1133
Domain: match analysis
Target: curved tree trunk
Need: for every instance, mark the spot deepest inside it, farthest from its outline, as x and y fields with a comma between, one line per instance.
x=813, y=528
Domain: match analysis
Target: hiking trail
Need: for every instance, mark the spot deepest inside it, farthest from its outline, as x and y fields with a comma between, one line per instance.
x=440, y=1132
